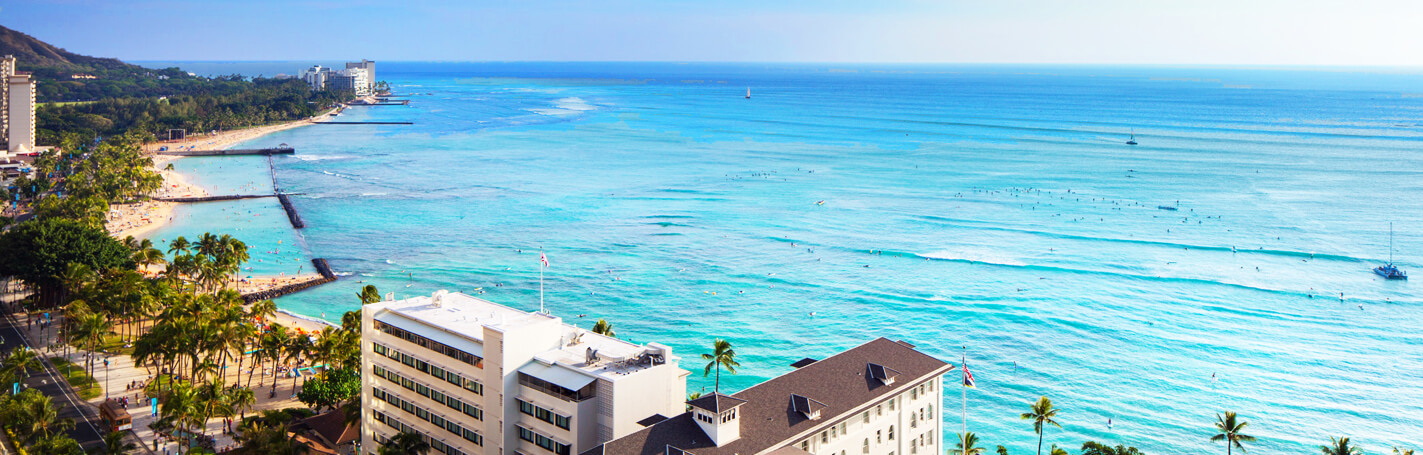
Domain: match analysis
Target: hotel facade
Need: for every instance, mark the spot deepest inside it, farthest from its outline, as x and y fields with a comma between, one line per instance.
x=476, y=377
x=880, y=398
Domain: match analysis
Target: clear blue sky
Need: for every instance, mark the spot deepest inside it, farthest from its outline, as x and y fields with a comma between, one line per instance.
x=1299, y=32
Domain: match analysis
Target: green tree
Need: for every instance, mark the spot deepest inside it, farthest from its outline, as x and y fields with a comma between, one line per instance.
x=603, y=327
x=1339, y=446
x=114, y=443
x=1095, y=448
x=1042, y=413
x=38, y=252
x=967, y=445
x=57, y=444
x=722, y=356
x=405, y=444
x=330, y=389
x=1231, y=432
x=369, y=294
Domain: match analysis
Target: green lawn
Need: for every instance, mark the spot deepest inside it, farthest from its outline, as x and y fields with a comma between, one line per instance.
x=86, y=387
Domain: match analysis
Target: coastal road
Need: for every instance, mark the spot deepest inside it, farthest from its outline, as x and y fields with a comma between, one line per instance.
x=86, y=417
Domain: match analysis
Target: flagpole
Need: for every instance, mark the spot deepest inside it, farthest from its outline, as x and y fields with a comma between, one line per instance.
x=541, y=280
x=964, y=385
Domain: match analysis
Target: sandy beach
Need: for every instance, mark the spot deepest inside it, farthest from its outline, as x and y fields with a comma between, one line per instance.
x=141, y=218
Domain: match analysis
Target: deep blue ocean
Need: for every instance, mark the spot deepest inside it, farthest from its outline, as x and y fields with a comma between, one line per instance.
x=987, y=211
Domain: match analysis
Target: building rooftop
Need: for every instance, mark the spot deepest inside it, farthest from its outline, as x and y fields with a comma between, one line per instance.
x=462, y=318
x=769, y=420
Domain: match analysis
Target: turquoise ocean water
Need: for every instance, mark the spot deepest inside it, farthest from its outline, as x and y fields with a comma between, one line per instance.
x=989, y=207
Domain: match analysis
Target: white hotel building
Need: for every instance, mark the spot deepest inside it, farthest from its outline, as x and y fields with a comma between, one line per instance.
x=880, y=398
x=476, y=377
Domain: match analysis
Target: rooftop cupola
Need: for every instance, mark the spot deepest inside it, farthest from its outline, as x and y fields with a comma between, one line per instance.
x=884, y=374
x=717, y=415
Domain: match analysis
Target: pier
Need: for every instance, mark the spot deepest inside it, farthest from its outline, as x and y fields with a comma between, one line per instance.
x=291, y=211
x=230, y=152
x=363, y=123
x=384, y=102
x=228, y=197
x=321, y=267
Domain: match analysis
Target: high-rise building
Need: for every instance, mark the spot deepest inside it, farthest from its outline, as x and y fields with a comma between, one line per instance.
x=7, y=69
x=880, y=398
x=369, y=68
x=20, y=104
x=353, y=80
x=475, y=377
x=315, y=77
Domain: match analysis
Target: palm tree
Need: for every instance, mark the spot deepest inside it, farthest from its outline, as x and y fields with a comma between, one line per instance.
x=967, y=445
x=1042, y=413
x=369, y=294
x=1057, y=451
x=603, y=327
x=114, y=443
x=1339, y=446
x=405, y=444
x=242, y=399
x=1398, y=451
x=20, y=361
x=145, y=254
x=1001, y=450
x=722, y=356
x=1230, y=432
x=179, y=245
x=182, y=406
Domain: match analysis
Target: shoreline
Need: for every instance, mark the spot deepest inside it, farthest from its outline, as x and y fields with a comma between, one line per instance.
x=143, y=218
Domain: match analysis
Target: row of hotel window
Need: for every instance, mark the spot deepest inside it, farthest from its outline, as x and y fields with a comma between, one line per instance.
x=544, y=441
x=436, y=445
x=425, y=367
x=914, y=444
x=546, y=415
x=449, y=426
x=835, y=431
x=450, y=401
x=432, y=345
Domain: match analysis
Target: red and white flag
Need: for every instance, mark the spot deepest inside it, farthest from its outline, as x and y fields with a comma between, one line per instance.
x=543, y=259
x=967, y=376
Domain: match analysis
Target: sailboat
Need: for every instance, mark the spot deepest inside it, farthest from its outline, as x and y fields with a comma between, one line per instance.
x=748, y=93
x=1132, y=141
x=1389, y=271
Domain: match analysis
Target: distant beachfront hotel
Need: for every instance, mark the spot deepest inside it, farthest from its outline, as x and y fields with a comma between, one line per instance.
x=17, y=108
x=358, y=77
x=475, y=377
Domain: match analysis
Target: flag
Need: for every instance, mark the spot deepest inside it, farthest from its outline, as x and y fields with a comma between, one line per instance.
x=967, y=377
x=543, y=259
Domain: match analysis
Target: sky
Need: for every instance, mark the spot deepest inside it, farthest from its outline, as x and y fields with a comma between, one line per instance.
x=1211, y=32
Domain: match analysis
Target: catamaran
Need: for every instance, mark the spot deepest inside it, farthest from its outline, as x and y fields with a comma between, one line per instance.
x=1132, y=141
x=1389, y=271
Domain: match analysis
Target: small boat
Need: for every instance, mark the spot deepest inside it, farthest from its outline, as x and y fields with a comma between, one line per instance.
x=1388, y=271
x=1166, y=207
x=748, y=93
x=1132, y=141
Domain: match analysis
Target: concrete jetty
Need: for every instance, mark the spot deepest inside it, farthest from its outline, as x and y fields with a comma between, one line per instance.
x=227, y=197
x=291, y=211
x=363, y=123
x=230, y=152
x=321, y=267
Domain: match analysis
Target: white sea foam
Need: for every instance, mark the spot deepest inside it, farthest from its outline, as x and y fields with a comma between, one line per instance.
x=306, y=318
x=974, y=255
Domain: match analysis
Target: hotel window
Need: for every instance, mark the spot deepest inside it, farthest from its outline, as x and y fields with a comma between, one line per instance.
x=824, y=437
x=867, y=417
x=891, y=404
x=913, y=393
x=930, y=408
x=842, y=429
x=891, y=432
x=879, y=410
x=921, y=413
x=805, y=445
x=879, y=437
x=866, y=447
x=931, y=387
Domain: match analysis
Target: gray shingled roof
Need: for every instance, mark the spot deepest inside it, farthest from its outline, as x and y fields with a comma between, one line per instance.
x=716, y=402
x=767, y=418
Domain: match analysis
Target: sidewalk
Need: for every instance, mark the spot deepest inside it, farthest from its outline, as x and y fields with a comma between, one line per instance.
x=121, y=372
